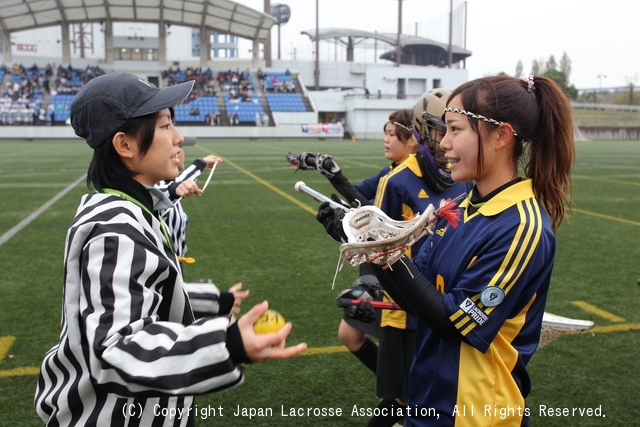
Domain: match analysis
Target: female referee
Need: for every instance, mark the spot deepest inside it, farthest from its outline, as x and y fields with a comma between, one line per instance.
x=129, y=350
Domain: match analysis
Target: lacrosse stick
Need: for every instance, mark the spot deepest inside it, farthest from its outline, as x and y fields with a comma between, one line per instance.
x=346, y=302
x=373, y=237
x=209, y=177
x=317, y=196
x=554, y=326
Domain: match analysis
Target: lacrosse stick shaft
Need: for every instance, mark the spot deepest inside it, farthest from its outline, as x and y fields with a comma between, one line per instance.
x=317, y=196
x=213, y=168
x=346, y=302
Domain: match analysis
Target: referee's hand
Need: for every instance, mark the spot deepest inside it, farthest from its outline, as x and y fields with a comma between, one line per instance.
x=187, y=188
x=260, y=347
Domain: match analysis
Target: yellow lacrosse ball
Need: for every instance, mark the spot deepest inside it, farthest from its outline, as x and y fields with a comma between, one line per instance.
x=271, y=321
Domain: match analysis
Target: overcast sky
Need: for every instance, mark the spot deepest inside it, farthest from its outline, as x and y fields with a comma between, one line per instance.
x=600, y=38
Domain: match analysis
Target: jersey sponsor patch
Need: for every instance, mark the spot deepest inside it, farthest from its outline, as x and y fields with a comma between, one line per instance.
x=491, y=296
x=470, y=307
x=423, y=194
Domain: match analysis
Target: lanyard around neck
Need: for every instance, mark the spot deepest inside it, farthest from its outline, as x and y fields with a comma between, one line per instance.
x=125, y=196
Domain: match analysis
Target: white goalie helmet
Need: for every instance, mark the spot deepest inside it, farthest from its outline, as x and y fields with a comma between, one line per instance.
x=428, y=130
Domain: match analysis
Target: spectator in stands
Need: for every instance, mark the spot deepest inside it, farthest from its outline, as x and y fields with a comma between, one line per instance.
x=51, y=109
x=234, y=120
x=42, y=115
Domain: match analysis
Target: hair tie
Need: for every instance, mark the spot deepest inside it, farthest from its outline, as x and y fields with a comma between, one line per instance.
x=529, y=81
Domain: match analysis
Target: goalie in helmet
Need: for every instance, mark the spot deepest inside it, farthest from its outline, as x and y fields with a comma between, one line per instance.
x=417, y=177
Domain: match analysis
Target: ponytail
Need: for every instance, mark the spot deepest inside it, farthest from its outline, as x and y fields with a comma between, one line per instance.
x=551, y=150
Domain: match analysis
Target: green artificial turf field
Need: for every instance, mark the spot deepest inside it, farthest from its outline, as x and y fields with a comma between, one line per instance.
x=250, y=226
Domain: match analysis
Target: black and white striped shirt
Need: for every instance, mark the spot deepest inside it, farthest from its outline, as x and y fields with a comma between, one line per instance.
x=175, y=217
x=129, y=348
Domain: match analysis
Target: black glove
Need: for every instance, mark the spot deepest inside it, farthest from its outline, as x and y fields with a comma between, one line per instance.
x=362, y=311
x=331, y=218
x=326, y=165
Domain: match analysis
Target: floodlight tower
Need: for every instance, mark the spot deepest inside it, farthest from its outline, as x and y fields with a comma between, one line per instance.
x=267, y=42
x=398, y=43
x=316, y=71
x=282, y=13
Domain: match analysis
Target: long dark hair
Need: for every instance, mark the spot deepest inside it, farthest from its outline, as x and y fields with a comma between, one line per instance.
x=542, y=119
x=106, y=167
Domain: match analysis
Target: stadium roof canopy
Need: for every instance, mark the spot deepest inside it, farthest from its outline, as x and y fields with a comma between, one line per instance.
x=223, y=16
x=415, y=50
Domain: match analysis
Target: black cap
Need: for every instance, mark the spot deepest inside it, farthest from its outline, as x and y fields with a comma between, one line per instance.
x=105, y=103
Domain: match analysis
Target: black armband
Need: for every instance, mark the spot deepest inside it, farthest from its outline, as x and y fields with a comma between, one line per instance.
x=347, y=189
x=172, y=191
x=200, y=164
x=409, y=288
x=225, y=302
x=235, y=345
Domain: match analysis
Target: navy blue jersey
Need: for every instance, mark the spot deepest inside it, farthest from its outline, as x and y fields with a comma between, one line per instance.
x=400, y=192
x=494, y=271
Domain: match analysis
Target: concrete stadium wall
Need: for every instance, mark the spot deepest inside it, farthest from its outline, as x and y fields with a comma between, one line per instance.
x=208, y=132
x=609, y=133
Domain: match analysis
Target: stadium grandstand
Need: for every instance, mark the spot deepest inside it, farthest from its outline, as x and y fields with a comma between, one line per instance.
x=233, y=97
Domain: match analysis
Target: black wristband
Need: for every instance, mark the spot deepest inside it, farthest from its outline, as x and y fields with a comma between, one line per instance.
x=225, y=302
x=347, y=189
x=235, y=345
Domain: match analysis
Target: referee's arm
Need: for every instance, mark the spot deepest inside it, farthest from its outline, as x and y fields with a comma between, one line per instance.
x=135, y=324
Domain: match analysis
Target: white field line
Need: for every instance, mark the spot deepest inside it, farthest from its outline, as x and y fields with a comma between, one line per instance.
x=22, y=224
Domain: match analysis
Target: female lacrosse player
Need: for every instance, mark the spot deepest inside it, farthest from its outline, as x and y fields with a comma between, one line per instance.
x=129, y=350
x=415, y=179
x=480, y=289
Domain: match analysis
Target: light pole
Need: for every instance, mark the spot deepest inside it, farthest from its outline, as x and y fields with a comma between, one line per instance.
x=398, y=42
x=600, y=77
x=316, y=71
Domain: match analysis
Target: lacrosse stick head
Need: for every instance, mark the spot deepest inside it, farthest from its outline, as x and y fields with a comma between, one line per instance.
x=554, y=326
x=304, y=161
x=373, y=237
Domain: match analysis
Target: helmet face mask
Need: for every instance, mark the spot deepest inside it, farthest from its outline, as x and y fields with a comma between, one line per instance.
x=428, y=131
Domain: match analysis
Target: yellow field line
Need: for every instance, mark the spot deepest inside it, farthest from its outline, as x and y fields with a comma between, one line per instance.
x=35, y=150
x=612, y=218
x=19, y=372
x=324, y=350
x=5, y=345
x=615, y=181
x=265, y=183
x=597, y=311
x=620, y=327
